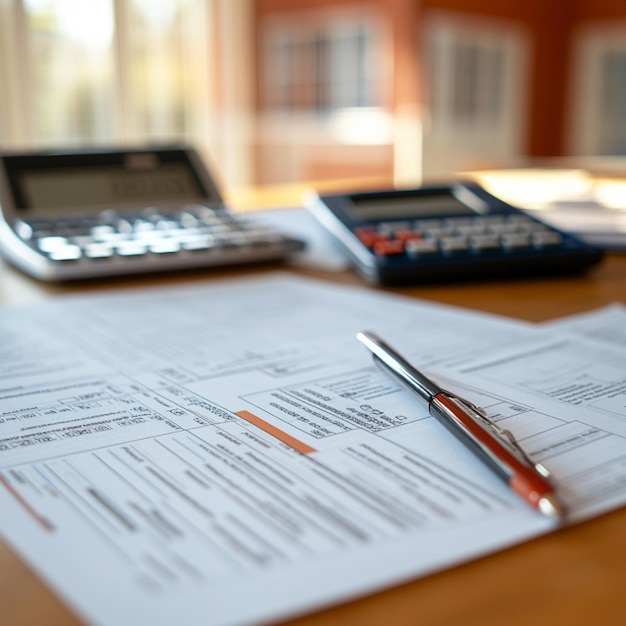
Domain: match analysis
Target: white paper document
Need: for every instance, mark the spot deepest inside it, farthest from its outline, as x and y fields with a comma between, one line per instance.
x=607, y=325
x=229, y=454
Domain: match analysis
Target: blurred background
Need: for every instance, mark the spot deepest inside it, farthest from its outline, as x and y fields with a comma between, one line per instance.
x=280, y=91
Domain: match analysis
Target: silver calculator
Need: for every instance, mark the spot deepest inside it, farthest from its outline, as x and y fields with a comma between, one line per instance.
x=80, y=215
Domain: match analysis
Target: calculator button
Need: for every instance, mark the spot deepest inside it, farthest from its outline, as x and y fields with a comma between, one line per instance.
x=490, y=220
x=148, y=236
x=515, y=241
x=69, y=252
x=102, y=230
x=52, y=243
x=503, y=229
x=547, y=239
x=167, y=225
x=24, y=230
x=124, y=226
x=142, y=226
x=389, y=248
x=428, y=224
x=81, y=240
x=520, y=220
x=471, y=229
x=459, y=222
x=451, y=245
x=113, y=238
x=198, y=244
x=188, y=220
x=98, y=251
x=370, y=237
x=479, y=243
x=391, y=228
x=535, y=227
x=421, y=247
x=164, y=246
x=437, y=233
x=407, y=235
x=130, y=248
x=195, y=209
x=206, y=214
x=108, y=216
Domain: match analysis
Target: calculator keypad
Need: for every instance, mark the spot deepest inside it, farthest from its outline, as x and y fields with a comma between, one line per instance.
x=457, y=235
x=111, y=234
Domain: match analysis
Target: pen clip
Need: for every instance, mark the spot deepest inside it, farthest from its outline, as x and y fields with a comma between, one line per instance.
x=506, y=436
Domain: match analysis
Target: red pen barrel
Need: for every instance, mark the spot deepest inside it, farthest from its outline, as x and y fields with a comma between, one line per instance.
x=523, y=479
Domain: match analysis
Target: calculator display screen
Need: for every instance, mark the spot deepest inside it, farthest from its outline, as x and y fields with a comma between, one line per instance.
x=48, y=182
x=407, y=206
x=81, y=187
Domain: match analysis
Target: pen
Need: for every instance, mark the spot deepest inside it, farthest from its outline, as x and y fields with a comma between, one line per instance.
x=496, y=447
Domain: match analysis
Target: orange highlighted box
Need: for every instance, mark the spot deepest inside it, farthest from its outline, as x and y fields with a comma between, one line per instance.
x=292, y=442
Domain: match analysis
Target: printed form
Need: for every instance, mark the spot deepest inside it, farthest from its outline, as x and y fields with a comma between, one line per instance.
x=229, y=454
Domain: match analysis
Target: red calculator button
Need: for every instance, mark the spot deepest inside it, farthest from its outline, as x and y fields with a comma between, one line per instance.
x=389, y=248
x=370, y=237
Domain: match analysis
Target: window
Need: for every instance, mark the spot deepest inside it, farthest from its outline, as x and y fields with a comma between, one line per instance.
x=320, y=65
x=476, y=82
x=599, y=91
x=468, y=75
x=69, y=70
x=612, y=133
x=121, y=71
x=324, y=79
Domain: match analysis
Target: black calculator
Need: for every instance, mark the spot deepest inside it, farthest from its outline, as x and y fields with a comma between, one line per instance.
x=446, y=232
x=68, y=215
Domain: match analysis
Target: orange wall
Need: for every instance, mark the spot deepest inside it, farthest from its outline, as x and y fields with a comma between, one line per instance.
x=600, y=9
x=549, y=23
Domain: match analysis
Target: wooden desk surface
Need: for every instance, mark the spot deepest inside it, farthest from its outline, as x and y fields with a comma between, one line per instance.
x=574, y=576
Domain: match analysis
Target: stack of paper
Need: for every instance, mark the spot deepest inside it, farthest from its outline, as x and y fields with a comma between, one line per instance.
x=230, y=454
